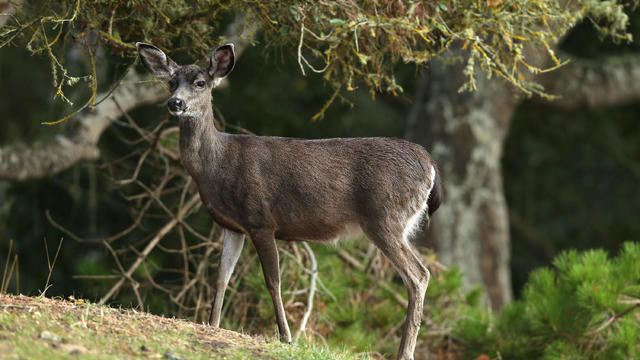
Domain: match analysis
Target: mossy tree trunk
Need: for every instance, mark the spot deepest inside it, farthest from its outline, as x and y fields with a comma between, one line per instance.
x=465, y=133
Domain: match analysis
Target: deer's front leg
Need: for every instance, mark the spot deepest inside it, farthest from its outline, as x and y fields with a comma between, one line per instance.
x=231, y=249
x=265, y=245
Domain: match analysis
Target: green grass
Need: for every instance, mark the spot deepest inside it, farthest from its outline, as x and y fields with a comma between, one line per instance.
x=35, y=327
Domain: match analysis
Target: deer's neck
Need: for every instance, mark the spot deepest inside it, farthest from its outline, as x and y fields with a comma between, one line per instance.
x=200, y=142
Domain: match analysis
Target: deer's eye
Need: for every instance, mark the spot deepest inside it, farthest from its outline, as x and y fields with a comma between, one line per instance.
x=172, y=84
x=200, y=84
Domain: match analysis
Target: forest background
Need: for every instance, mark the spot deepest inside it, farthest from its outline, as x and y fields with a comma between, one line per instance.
x=525, y=177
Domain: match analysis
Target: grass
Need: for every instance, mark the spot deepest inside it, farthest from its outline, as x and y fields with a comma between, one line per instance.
x=38, y=327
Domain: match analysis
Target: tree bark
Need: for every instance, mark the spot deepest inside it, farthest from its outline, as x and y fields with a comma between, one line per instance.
x=465, y=133
x=8, y=9
x=595, y=83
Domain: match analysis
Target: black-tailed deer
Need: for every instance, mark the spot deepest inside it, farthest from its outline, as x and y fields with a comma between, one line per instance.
x=298, y=190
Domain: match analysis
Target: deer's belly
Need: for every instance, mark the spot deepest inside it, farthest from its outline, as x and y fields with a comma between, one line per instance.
x=223, y=220
x=319, y=232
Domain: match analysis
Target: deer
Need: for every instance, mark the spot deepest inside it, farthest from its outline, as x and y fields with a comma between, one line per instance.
x=315, y=190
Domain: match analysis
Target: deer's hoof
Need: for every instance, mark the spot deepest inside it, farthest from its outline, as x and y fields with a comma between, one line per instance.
x=286, y=340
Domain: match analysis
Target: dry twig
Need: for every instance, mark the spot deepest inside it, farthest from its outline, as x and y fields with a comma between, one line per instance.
x=312, y=289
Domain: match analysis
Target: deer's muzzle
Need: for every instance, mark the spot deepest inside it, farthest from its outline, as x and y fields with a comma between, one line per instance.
x=176, y=105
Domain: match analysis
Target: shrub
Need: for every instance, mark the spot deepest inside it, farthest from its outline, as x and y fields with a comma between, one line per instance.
x=582, y=308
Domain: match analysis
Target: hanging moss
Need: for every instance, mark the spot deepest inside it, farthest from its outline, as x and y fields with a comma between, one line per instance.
x=349, y=42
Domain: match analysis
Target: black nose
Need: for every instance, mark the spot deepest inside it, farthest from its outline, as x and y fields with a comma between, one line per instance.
x=176, y=104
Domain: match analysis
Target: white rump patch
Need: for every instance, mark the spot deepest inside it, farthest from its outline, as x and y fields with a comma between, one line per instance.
x=414, y=221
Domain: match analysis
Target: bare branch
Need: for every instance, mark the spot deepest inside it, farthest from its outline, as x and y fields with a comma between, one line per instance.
x=199, y=276
x=609, y=81
x=161, y=233
x=614, y=318
x=312, y=289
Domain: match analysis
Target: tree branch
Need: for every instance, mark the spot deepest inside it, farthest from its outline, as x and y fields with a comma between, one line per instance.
x=80, y=137
x=152, y=244
x=593, y=83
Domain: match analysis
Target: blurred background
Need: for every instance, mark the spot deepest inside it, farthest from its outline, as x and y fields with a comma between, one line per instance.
x=524, y=179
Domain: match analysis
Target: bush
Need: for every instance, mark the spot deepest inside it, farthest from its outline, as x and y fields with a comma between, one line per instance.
x=582, y=308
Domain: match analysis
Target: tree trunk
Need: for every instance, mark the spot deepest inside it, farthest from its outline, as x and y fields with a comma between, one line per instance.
x=8, y=9
x=465, y=132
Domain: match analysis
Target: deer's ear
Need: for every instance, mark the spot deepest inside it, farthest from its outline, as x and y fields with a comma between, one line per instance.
x=222, y=62
x=156, y=61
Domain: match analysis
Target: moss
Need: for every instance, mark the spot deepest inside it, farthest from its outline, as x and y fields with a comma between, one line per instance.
x=348, y=42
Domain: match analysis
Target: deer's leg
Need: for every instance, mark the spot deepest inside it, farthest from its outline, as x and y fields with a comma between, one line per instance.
x=265, y=245
x=416, y=279
x=231, y=249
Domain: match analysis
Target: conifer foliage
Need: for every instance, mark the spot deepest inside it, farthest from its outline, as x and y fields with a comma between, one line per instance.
x=585, y=307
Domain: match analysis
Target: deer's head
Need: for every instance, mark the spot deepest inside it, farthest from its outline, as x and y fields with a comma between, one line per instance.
x=190, y=85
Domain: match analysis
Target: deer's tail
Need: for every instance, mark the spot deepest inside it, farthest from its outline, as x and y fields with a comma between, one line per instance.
x=435, y=196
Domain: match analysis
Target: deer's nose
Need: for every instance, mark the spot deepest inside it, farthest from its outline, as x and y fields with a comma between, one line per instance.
x=176, y=104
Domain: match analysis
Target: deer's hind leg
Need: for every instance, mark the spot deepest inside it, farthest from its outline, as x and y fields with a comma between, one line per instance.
x=265, y=244
x=231, y=248
x=390, y=240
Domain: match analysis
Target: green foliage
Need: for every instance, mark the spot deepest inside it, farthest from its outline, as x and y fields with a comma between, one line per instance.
x=362, y=41
x=357, y=308
x=583, y=308
x=349, y=42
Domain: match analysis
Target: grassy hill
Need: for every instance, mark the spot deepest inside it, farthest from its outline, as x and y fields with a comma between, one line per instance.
x=39, y=328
